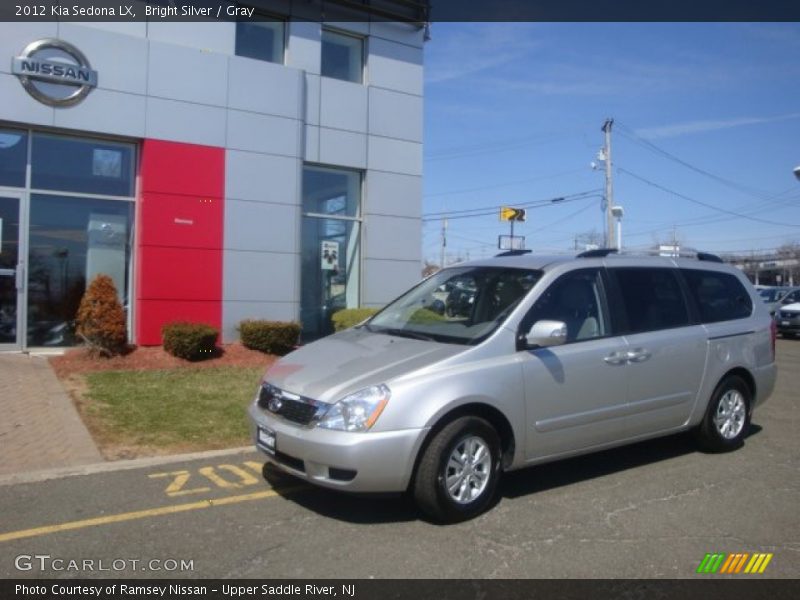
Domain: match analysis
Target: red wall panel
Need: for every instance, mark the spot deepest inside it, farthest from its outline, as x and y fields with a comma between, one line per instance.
x=179, y=242
x=186, y=169
x=181, y=221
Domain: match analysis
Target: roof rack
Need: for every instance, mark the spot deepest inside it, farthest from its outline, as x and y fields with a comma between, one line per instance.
x=708, y=257
x=514, y=253
x=597, y=253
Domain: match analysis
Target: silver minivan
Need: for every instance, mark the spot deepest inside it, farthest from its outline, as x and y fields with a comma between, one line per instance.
x=553, y=357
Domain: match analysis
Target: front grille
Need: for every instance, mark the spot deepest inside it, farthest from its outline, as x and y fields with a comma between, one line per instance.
x=788, y=315
x=273, y=400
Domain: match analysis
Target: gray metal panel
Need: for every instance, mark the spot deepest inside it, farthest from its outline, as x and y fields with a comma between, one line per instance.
x=405, y=33
x=395, y=114
x=264, y=87
x=311, y=147
x=185, y=122
x=108, y=112
x=263, y=133
x=359, y=28
x=396, y=156
x=261, y=177
x=131, y=28
x=15, y=36
x=395, y=66
x=188, y=74
x=219, y=37
x=397, y=238
x=343, y=105
x=385, y=280
x=304, y=46
x=260, y=276
x=120, y=60
x=18, y=105
x=342, y=148
x=312, y=93
x=262, y=227
x=234, y=313
x=393, y=194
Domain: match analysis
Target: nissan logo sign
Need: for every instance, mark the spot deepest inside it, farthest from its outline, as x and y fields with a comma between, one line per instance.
x=54, y=72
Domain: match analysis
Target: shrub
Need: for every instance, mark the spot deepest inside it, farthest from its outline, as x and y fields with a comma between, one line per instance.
x=192, y=341
x=101, y=320
x=350, y=317
x=272, y=337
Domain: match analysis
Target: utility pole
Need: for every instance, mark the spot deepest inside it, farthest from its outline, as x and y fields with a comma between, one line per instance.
x=609, y=242
x=444, y=241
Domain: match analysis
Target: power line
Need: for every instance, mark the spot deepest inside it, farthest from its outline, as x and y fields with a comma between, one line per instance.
x=706, y=204
x=504, y=184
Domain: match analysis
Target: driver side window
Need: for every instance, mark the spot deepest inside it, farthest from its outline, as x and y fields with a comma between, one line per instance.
x=574, y=299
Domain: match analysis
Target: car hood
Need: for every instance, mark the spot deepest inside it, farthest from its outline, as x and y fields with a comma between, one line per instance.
x=335, y=366
x=794, y=307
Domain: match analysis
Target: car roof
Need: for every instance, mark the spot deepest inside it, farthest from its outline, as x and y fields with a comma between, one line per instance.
x=547, y=262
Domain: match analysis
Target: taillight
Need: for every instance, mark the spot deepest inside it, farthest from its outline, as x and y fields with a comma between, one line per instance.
x=773, y=330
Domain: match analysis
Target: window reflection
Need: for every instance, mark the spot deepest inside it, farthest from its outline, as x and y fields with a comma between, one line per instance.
x=13, y=157
x=342, y=56
x=81, y=165
x=72, y=240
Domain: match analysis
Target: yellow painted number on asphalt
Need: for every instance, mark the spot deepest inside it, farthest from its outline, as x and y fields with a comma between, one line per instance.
x=226, y=477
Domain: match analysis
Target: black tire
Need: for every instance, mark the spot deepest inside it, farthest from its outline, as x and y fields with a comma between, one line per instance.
x=429, y=486
x=708, y=434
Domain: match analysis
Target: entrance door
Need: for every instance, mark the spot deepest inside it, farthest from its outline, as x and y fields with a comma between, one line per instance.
x=11, y=274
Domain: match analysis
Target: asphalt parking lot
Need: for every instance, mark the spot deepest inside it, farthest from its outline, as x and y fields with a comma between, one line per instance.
x=651, y=510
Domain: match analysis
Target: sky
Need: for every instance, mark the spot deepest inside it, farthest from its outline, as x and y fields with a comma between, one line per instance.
x=705, y=138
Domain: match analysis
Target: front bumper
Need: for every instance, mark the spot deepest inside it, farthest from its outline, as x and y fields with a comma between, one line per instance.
x=356, y=462
x=788, y=323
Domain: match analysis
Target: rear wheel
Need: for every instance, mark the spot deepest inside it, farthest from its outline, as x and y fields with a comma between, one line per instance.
x=457, y=475
x=727, y=418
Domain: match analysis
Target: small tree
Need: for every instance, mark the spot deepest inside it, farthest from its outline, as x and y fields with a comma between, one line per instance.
x=101, y=320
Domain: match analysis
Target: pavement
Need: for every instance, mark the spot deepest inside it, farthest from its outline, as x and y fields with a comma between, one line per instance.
x=40, y=427
x=650, y=510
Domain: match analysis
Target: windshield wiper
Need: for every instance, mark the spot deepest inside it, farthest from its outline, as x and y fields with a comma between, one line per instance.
x=407, y=334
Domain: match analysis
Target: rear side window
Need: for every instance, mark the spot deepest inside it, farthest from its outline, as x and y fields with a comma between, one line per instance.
x=719, y=296
x=652, y=298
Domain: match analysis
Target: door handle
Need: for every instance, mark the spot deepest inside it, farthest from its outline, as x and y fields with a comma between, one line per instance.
x=616, y=358
x=638, y=355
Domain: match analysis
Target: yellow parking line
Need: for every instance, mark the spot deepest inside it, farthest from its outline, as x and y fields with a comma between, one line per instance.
x=142, y=514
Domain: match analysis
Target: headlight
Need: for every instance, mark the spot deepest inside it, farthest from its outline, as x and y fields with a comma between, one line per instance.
x=358, y=411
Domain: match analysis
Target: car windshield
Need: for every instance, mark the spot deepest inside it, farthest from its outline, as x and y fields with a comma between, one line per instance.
x=458, y=305
x=771, y=295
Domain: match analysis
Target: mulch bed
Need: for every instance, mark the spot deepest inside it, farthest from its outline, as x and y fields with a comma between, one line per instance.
x=77, y=360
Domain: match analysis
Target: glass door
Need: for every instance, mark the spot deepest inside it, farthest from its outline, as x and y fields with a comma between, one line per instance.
x=11, y=272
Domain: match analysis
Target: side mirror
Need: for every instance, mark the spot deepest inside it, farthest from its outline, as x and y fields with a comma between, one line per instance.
x=546, y=333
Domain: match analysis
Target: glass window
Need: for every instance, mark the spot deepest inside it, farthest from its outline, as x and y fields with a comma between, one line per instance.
x=82, y=165
x=342, y=56
x=719, y=296
x=262, y=39
x=457, y=305
x=72, y=240
x=331, y=247
x=13, y=157
x=576, y=300
x=652, y=298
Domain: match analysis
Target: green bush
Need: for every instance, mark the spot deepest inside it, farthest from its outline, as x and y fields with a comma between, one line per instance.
x=192, y=341
x=350, y=317
x=272, y=337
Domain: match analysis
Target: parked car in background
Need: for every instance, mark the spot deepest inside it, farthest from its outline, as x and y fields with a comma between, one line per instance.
x=788, y=319
x=775, y=297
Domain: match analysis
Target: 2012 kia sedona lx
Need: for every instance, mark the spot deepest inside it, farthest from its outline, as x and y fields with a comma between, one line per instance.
x=551, y=357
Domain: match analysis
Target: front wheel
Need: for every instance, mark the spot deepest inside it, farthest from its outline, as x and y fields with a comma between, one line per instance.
x=727, y=418
x=457, y=475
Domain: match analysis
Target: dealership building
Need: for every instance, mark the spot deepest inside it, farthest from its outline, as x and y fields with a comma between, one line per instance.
x=216, y=171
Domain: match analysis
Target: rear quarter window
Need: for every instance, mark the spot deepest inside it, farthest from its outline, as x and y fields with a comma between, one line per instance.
x=719, y=296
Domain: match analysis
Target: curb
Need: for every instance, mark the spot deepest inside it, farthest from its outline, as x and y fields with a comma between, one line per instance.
x=119, y=465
